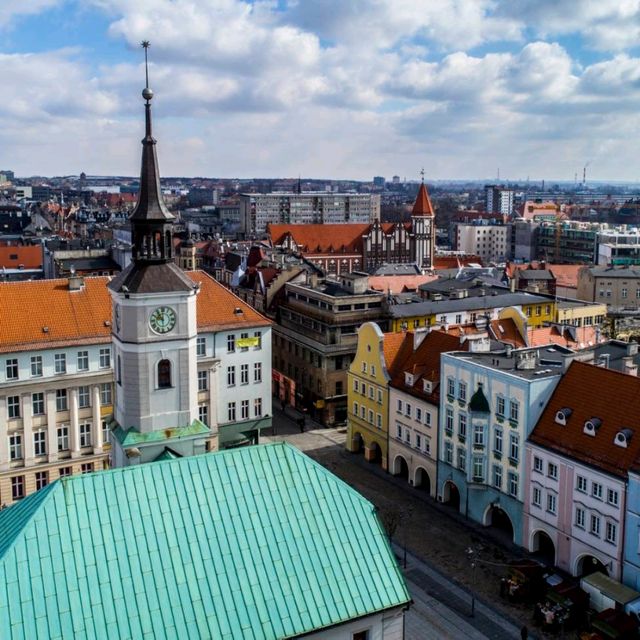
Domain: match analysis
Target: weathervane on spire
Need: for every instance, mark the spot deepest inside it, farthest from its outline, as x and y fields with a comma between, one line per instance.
x=147, y=94
x=422, y=174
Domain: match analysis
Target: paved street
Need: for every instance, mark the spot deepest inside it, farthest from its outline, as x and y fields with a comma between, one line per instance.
x=437, y=571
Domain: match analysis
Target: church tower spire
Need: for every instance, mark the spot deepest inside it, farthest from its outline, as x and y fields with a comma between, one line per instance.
x=151, y=221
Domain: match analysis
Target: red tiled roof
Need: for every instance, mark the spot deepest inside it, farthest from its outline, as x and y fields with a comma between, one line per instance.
x=422, y=205
x=29, y=257
x=321, y=238
x=424, y=362
x=506, y=330
x=566, y=275
x=396, y=348
x=451, y=262
x=593, y=392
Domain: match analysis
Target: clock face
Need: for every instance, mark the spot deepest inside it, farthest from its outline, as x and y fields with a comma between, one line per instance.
x=162, y=320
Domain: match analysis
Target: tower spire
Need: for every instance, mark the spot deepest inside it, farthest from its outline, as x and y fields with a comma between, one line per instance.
x=151, y=221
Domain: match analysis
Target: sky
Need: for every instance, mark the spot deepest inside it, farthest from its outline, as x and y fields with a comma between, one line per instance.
x=342, y=89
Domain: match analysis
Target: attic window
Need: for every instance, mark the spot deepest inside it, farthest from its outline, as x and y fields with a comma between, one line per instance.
x=591, y=426
x=408, y=379
x=623, y=437
x=427, y=387
x=563, y=415
x=238, y=311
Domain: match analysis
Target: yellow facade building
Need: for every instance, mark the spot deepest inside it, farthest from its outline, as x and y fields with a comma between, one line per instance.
x=368, y=390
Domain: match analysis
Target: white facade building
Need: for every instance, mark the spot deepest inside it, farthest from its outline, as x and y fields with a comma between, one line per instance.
x=490, y=242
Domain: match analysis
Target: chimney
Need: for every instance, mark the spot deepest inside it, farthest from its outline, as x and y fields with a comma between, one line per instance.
x=313, y=280
x=629, y=366
x=76, y=283
x=512, y=283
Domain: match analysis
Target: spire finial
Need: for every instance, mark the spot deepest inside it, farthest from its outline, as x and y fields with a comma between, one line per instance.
x=421, y=170
x=147, y=94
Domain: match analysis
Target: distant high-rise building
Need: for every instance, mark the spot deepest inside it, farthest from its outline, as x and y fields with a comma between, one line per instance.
x=395, y=179
x=498, y=199
x=379, y=182
x=257, y=210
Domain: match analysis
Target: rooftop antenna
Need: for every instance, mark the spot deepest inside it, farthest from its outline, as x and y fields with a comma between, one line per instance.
x=145, y=45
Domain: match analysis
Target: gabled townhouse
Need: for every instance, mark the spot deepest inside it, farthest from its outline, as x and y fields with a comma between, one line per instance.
x=489, y=403
x=377, y=357
x=414, y=399
x=578, y=457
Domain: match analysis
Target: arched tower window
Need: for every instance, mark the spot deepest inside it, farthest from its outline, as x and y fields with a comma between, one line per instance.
x=164, y=374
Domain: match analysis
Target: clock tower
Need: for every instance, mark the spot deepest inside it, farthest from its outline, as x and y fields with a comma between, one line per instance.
x=154, y=332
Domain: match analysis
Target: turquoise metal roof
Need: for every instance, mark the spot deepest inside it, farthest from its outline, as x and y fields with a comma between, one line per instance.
x=132, y=437
x=259, y=542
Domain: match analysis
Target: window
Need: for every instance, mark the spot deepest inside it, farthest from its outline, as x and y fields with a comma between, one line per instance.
x=355, y=408
x=462, y=391
x=612, y=497
x=537, y=464
x=371, y=393
x=63, y=438
x=418, y=441
x=407, y=436
x=85, y=434
x=203, y=380
x=364, y=367
x=497, y=441
x=407, y=410
x=17, y=487
x=462, y=459
x=231, y=411
x=427, y=418
x=361, y=635
x=552, y=470
x=514, y=447
x=105, y=393
x=538, y=310
x=551, y=503
x=595, y=525
x=513, y=484
x=497, y=476
x=624, y=292
x=37, y=404
x=379, y=420
x=42, y=479
x=245, y=336
x=448, y=452
x=399, y=431
x=379, y=396
x=355, y=385
x=448, y=424
x=201, y=346
x=536, y=497
x=478, y=435
x=119, y=371
x=580, y=519
x=105, y=431
x=258, y=335
x=462, y=426
x=596, y=490
x=371, y=416
x=478, y=469
x=203, y=413
x=11, y=368
x=36, y=366
x=244, y=374
x=231, y=376
x=65, y=471
x=86, y=467
x=257, y=375
x=611, y=532
x=500, y=406
x=13, y=406
x=514, y=409
x=244, y=409
x=399, y=407
x=105, y=358
x=84, y=397
x=581, y=484
x=451, y=387
x=40, y=443
x=83, y=360
x=373, y=370
x=164, y=374
x=231, y=343
x=257, y=408
x=418, y=414
x=15, y=447
x=60, y=363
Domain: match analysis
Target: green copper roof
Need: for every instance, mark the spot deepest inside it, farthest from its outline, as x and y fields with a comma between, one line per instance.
x=259, y=542
x=130, y=437
x=167, y=454
x=479, y=402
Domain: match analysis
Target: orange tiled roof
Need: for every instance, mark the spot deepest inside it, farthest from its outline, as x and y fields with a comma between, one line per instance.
x=396, y=348
x=422, y=205
x=451, y=262
x=30, y=257
x=506, y=331
x=399, y=284
x=586, y=337
x=593, y=392
x=321, y=238
x=566, y=275
x=45, y=313
x=84, y=316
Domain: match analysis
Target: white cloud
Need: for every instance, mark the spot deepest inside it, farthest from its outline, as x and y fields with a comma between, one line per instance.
x=13, y=9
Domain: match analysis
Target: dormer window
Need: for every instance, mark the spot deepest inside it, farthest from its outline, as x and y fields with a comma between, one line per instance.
x=427, y=386
x=563, y=415
x=623, y=437
x=408, y=379
x=591, y=426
